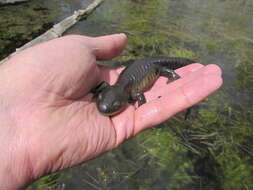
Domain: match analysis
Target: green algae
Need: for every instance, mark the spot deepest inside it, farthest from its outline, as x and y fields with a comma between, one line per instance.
x=49, y=182
x=21, y=23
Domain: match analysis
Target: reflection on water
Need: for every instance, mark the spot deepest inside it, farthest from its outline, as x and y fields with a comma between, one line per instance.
x=67, y=7
x=213, y=149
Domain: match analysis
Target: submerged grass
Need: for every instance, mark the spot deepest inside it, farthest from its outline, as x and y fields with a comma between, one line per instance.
x=21, y=23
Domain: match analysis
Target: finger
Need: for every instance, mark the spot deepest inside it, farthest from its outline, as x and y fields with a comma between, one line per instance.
x=111, y=74
x=108, y=47
x=189, y=69
x=160, y=82
x=159, y=110
x=181, y=71
x=188, y=73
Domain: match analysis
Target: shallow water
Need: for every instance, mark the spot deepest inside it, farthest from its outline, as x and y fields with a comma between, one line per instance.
x=211, y=150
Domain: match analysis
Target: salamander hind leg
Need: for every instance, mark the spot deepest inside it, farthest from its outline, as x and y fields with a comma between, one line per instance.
x=170, y=74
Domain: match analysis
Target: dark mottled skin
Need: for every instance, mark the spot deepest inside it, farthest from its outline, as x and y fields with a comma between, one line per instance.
x=134, y=80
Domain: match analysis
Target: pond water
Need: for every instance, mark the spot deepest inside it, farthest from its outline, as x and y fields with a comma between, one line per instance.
x=213, y=149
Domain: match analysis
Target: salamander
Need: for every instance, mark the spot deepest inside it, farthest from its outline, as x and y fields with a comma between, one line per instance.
x=138, y=76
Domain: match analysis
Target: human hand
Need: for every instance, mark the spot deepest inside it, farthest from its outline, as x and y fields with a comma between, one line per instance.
x=49, y=120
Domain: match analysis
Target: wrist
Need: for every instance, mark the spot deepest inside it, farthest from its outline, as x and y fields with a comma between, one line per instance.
x=14, y=172
x=11, y=178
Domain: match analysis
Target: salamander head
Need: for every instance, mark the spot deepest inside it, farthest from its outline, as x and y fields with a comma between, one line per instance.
x=111, y=100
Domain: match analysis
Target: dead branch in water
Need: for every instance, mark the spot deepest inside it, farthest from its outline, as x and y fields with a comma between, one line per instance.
x=58, y=29
x=5, y=2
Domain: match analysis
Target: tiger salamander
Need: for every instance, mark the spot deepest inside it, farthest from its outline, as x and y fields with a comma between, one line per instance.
x=134, y=80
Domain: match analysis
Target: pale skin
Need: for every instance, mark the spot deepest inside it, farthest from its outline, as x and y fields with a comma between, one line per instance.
x=49, y=120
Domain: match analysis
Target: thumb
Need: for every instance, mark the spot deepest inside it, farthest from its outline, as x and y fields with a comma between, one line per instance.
x=109, y=46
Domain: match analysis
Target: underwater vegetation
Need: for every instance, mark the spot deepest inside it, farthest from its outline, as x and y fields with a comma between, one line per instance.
x=21, y=23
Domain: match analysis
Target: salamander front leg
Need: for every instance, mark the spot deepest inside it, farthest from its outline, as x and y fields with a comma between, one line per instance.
x=170, y=74
x=141, y=99
x=97, y=89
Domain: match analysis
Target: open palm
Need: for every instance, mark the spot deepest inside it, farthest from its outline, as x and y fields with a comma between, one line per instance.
x=51, y=117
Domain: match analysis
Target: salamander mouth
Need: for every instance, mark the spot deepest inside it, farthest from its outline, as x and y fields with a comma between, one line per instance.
x=112, y=113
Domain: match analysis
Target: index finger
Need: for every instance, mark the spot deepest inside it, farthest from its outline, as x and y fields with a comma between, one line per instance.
x=190, y=93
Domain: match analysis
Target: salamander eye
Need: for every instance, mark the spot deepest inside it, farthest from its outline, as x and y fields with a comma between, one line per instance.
x=116, y=104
